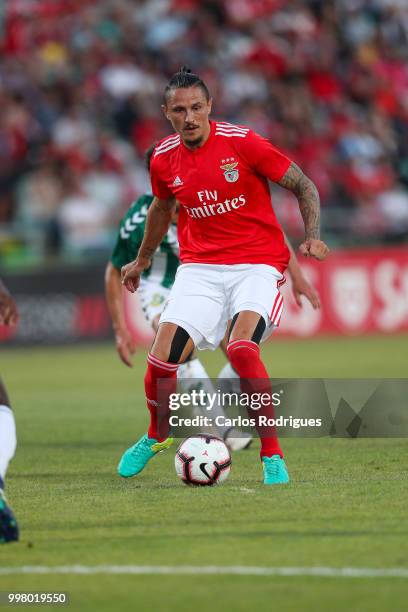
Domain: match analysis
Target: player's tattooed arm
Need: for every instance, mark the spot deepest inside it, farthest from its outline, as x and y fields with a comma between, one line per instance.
x=309, y=204
x=308, y=197
x=157, y=224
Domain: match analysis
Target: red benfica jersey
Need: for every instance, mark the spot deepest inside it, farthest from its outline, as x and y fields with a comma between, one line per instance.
x=226, y=214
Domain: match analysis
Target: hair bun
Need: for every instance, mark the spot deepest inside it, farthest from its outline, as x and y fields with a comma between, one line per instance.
x=185, y=78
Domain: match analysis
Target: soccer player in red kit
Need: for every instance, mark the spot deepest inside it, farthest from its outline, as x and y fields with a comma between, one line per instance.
x=232, y=250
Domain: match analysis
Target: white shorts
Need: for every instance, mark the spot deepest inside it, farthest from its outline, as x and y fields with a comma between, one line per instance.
x=205, y=296
x=153, y=297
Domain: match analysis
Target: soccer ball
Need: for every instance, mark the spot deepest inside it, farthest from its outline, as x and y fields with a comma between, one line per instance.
x=203, y=460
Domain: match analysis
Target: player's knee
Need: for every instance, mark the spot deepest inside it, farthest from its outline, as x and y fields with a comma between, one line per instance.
x=247, y=329
x=172, y=344
x=178, y=345
x=241, y=354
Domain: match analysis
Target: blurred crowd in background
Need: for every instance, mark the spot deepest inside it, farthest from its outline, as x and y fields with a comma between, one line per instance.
x=81, y=85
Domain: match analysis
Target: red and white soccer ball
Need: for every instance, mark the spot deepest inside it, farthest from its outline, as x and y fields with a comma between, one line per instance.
x=203, y=460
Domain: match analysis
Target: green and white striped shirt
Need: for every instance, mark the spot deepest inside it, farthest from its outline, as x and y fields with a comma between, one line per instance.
x=131, y=230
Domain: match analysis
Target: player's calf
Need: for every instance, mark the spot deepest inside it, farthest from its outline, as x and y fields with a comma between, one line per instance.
x=245, y=359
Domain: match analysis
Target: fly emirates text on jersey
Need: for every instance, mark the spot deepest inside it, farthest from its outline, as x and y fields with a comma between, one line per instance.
x=211, y=207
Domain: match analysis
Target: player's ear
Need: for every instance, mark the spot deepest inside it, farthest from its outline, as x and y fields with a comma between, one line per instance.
x=209, y=103
x=165, y=111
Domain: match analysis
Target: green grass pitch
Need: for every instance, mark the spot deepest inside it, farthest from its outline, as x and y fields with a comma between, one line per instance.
x=78, y=408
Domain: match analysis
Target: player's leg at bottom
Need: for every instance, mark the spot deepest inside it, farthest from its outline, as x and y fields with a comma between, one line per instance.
x=171, y=346
x=228, y=381
x=192, y=374
x=256, y=306
x=203, y=299
x=244, y=355
x=8, y=523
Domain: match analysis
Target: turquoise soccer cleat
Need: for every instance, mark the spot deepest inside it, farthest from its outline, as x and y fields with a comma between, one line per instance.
x=275, y=470
x=8, y=523
x=135, y=459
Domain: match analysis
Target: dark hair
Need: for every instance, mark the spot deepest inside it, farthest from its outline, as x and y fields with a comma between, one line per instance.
x=148, y=155
x=184, y=78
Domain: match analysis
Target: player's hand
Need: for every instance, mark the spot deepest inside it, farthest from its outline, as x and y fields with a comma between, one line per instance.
x=125, y=346
x=8, y=309
x=132, y=272
x=314, y=248
x=300, y=286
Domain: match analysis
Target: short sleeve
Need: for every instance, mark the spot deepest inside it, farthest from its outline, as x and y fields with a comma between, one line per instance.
x=159, y=186
x=263, y=157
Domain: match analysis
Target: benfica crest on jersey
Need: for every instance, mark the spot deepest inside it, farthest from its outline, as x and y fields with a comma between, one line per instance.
x=230, y=172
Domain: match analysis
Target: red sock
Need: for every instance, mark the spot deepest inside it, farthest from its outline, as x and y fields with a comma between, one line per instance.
x=160, y=381
x=245, y=359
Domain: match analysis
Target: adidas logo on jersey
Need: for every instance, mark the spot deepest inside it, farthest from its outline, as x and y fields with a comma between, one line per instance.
x=177, y=182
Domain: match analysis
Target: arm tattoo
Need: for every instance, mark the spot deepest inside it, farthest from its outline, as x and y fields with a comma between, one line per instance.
x=308, y=198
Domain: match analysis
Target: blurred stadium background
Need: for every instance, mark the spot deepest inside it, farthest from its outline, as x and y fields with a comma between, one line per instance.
x=80, y=95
